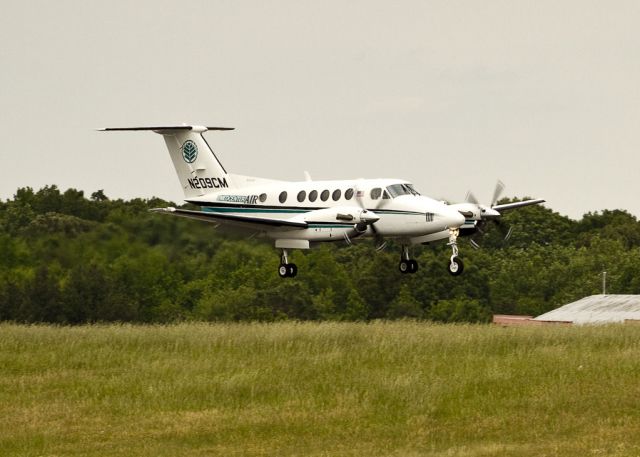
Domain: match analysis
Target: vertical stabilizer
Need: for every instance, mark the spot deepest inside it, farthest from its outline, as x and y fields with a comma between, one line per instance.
x=199, y=170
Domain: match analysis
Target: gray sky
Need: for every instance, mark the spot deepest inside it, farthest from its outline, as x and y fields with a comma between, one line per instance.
x=451, y=95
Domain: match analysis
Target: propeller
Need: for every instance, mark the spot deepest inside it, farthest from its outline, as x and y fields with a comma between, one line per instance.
x=485, y=214
x=379, y=241
x=481, y=214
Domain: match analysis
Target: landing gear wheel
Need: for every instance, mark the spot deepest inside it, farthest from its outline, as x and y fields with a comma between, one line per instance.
x=288, y=270
x=456, y=266
x=408, y=266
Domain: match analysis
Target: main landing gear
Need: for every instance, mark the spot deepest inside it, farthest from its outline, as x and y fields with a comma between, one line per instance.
x=455, y=266
x=407, y=265
x=286, y=269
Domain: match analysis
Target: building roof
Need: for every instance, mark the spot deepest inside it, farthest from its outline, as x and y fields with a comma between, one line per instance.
x=597, y=309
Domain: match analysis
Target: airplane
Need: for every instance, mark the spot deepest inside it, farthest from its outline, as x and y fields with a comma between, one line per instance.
x=299, y=215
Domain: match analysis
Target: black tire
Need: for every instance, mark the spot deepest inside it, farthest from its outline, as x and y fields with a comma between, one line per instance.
x=293, y=270
x=455, y=267
x=404, y=267
x=413, y=266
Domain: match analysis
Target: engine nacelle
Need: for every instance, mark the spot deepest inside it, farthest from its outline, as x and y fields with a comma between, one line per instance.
x=345, y=214
x=470, y=211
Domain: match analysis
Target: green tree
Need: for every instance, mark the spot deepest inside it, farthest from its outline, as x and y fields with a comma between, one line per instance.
x=459, y=310
x=42, y=301
x=405, y=305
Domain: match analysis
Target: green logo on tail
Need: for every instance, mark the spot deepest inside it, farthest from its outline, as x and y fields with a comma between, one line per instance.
x=189, y=151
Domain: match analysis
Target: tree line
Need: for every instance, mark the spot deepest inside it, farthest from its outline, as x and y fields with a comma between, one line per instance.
x=71, y=259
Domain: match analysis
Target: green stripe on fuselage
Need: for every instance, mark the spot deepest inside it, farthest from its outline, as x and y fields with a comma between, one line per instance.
x=219, y=209
x=216, y=209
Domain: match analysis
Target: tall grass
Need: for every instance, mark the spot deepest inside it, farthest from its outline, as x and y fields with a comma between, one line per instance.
x=334, y=389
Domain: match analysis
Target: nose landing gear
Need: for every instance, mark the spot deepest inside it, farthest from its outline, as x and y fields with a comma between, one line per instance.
x=455, y=266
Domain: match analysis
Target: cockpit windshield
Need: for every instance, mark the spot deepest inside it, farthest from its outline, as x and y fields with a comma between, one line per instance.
x=395, y=190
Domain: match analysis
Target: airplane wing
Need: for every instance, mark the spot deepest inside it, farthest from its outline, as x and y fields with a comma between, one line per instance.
x=508, y=206
x=243, y=222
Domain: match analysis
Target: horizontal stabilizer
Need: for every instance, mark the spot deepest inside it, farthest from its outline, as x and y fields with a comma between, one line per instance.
x=165, y=128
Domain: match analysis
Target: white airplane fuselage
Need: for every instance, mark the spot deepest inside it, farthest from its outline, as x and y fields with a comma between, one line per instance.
x=332, y=208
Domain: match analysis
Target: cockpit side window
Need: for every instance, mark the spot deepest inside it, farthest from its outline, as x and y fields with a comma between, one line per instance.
x=412, y=189
x=395, y=190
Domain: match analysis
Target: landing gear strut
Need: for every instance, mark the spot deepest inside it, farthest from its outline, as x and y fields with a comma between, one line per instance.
x=455, y=266
x=407, y=265
x=286, y=269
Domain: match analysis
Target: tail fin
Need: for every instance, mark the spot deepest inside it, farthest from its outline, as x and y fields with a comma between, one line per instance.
x=198, y=168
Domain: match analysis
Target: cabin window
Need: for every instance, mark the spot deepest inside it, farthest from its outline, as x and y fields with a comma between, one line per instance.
x=313, y=195
x=263, y=197
x=324, y=196
x=336, y=195
x=301, y=196
x=283, y=197
x=348, y=194
x=375, y=193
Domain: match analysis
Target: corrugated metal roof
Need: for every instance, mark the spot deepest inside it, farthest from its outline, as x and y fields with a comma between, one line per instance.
x=597, y=309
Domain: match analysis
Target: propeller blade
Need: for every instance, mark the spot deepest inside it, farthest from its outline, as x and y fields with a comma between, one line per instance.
x=474, y=245
x=470, y=198
x=502, y=228
x=378, y=240
x=508, y=235
x=497, y=192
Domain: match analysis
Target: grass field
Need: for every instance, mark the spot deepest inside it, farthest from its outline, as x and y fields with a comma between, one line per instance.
x=331, y=389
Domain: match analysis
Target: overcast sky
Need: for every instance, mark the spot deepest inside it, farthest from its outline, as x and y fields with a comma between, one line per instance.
x=452, y=95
